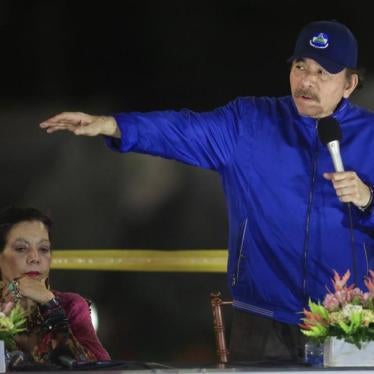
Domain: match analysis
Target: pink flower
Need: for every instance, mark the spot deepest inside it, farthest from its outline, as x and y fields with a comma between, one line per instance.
x=344, y=312
x=312, y=319
x=340, y=282
x=7, y=307
x=369, y=282
x=343, y=294
x=357, y=296
x=331, y=303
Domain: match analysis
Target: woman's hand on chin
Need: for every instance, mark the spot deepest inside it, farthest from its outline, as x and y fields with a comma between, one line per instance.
x=34, y=289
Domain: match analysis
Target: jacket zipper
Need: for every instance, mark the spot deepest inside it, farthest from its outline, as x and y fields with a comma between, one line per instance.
x=309, y=210
x=236, y=275
x=366, y=258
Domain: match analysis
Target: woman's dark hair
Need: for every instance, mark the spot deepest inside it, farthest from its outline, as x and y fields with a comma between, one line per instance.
x=11, y=216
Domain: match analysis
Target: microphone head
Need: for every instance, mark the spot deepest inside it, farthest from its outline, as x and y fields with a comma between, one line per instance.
x=329, y=130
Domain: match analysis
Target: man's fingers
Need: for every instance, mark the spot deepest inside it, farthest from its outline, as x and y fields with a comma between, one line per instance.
x=82, y=124
x=345, y=183
x=76, y=129
x=352, y=192
x=349, y=187
x=345, y=199
x=52, y=127
x=342, y=179
x=70, y=117
x=73, y=118
x=338, y=176
x=328, y=176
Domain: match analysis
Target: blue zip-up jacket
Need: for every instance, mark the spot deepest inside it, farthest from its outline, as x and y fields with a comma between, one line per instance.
x=287, y=229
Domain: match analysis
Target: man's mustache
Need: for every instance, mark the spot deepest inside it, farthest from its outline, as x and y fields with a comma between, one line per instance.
x=305, y=92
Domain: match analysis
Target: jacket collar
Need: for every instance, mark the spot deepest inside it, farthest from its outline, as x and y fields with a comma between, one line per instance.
x=342, y=110
x=339, y=114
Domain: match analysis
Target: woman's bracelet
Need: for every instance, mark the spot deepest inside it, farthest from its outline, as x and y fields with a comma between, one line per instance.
x=51, y=304
x=54, y=316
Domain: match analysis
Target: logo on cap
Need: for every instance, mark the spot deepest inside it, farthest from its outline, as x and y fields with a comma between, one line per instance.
x=320, y=41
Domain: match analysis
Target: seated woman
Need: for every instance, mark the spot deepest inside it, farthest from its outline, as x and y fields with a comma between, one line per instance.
x=56, y=321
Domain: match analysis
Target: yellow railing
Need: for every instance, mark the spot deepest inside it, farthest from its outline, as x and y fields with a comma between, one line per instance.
x=213, y=261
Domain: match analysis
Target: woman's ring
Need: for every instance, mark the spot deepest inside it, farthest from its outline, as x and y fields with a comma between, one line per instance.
x=13, y=287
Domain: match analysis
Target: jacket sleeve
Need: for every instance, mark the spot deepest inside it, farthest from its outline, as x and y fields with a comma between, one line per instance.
x=200, y=139
x=79, y=317
x=366, y=220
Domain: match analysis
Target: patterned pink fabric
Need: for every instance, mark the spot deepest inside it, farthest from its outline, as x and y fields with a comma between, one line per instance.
x=79, y=317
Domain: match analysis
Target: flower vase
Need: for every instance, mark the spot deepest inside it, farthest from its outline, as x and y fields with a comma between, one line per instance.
x=337, y=352
x=2, y=357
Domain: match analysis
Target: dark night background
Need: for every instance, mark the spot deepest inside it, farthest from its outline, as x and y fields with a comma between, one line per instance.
x=140, y=55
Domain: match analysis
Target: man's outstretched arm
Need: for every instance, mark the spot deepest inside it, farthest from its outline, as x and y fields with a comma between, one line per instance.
x=82, y=124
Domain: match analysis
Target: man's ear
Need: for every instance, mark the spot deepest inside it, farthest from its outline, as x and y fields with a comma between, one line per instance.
x=351, y=84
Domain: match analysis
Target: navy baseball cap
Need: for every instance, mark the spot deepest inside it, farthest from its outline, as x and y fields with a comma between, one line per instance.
x=330, y=43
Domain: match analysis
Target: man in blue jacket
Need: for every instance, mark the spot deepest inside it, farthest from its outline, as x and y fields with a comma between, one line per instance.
x=288, y=224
